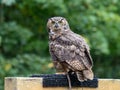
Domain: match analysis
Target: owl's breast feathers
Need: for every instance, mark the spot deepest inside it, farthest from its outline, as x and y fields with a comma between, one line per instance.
x=71, y=49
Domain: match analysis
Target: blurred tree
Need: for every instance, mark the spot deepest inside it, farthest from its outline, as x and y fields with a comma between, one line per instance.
x=24, y=39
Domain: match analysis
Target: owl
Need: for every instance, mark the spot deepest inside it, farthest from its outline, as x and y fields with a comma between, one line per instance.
x=69, y=51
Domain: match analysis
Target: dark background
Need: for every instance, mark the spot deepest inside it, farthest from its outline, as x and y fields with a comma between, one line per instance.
x=24, y=38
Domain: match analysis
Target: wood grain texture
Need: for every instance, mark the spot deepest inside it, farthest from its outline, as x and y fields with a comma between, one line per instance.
x=109, y=84
x=23, y=83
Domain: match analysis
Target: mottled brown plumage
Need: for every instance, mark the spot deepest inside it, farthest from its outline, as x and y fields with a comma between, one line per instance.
x=68, y=50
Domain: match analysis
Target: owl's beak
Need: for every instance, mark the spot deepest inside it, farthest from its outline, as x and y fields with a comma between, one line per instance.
x=56, y=25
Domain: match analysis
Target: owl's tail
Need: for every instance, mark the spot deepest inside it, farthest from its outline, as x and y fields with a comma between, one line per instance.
x=85, y=75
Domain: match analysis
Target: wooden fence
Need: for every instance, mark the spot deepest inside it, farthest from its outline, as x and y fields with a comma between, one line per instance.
x=36, y=83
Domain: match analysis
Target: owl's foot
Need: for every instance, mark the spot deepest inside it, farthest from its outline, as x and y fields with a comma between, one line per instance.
x=80, y=76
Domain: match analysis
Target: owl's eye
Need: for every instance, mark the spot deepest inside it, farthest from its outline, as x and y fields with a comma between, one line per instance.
x=53, y=22
x=60, y=21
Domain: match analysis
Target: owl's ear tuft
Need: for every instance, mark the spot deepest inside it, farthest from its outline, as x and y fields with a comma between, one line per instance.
x=50, y=19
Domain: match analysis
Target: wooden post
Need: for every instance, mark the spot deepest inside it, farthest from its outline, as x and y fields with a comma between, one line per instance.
x=36, y=83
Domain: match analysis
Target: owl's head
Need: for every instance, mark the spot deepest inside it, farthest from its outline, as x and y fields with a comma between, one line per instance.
x=57, y=26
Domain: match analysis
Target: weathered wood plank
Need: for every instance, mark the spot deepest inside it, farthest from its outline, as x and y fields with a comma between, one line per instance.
x=23, y=83
x=109, y=84
x=10, y=84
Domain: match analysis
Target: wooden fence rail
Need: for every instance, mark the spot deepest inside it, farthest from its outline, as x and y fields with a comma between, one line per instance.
x=36, y=83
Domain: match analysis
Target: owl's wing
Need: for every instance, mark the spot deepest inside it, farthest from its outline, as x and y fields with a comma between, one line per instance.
x=83, y=47
x=74, y=52
x=89, y=58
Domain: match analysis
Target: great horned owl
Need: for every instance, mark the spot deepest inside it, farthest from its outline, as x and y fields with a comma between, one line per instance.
x=68, y=50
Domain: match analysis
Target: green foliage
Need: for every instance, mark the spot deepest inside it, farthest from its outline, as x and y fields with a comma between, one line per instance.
x=22, y=65
x=101, y=44
x=8, y=2
x=14, y=38
x=24, y=38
